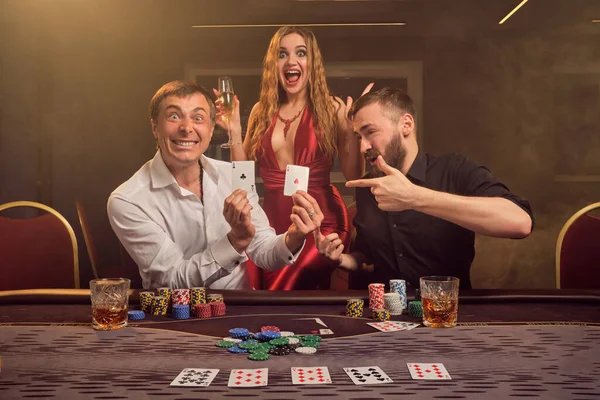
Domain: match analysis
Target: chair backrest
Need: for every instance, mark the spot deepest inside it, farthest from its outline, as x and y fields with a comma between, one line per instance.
x=38, y=252
x=88, y=239
x=578, y=251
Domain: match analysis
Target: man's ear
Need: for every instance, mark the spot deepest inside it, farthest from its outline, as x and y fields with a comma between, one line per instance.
x=153, y=126
x=407, y=124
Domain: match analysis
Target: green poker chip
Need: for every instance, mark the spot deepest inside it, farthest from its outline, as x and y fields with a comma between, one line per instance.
x=279, y=341
x=415, y=309
x=248, y=346
x=224, y=343
x=311, y=338
x=310, y=343
x=259, y=356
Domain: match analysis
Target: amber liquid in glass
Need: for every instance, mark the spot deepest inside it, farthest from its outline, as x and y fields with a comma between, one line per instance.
x=107, y=318
x=440, y=313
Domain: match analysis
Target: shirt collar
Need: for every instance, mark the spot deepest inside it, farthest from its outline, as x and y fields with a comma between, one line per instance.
x=162, y=177
x=418, y=168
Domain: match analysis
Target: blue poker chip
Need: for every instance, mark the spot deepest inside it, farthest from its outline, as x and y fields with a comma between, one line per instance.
x=237, y=350
x=239, y=333
x=270, y=335
x=135, y=315
x=259, y=336
x=181, y=311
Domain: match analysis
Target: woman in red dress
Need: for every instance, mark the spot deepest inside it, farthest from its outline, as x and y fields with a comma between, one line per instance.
x=296, y=121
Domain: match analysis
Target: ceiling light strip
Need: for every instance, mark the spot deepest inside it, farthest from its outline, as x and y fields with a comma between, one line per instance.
x=301, y=25
x=512, y=12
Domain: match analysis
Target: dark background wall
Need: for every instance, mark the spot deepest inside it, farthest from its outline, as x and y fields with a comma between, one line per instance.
x=76, y=78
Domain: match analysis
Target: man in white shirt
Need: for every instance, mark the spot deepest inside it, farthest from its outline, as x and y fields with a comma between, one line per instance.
x=177, y=216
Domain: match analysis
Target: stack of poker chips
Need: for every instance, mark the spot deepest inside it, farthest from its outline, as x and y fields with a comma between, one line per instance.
x=181, y=296
x=166, y=293
x=159, y=305
x=135, y=315
x=181, y=311
x=415, y=309
x=197, y=295
x=202, y=310
x=399, y=286
x=393, y=303
x=215, y=297
x=262, y=345
x=146, y=299
x=381, y=315
x=376, y=291
x=354, y=308
x=217, y=308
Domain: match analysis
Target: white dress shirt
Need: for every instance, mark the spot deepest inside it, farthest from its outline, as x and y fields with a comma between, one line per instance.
x=179, y=241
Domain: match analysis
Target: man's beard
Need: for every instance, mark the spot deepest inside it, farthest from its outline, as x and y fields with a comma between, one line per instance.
x=395, y=153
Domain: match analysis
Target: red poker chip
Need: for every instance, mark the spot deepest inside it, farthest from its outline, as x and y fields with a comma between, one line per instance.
x=269, y=328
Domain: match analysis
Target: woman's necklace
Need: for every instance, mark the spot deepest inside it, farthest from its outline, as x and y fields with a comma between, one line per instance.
x=288, y=122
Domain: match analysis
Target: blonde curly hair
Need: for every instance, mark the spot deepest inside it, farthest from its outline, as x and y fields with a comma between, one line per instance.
x=320, y=103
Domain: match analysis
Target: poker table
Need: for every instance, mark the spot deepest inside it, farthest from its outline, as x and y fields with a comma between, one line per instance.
x=508, y=344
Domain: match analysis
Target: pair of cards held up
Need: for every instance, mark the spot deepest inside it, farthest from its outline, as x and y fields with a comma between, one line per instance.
x=296, y=177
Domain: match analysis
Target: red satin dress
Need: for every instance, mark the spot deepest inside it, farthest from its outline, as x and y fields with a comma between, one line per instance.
x=311, y=270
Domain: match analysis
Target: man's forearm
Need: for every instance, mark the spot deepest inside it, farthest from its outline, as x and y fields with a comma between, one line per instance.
x=491, y=216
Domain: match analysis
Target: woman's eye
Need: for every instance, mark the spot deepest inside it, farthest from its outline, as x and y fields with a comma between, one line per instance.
x=301, y=53
x=282, y=54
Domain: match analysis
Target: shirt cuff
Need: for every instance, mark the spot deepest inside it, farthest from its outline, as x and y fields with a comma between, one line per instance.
x=225, y=255
x=282, y=249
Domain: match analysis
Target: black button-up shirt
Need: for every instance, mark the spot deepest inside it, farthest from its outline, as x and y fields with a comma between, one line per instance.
x=409, y=244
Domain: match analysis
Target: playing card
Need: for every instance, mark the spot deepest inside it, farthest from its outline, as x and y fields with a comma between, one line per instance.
x=248, y=377
x=325, y=332
x=195, y=377
x=367, y=375
x=392, y=326
x=310, y=375
x=428, y=371
x=296, y=178
x=243, y=176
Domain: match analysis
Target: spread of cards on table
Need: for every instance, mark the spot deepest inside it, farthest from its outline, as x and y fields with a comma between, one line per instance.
x=271, y=341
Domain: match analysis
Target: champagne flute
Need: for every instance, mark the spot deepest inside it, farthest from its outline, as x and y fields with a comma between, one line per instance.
x=225, y=87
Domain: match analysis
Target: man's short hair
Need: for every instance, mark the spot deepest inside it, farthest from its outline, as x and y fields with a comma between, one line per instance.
x=181, y=89
x=395, y=103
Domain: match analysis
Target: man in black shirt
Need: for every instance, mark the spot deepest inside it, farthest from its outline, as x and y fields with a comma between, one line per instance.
x=417, y=214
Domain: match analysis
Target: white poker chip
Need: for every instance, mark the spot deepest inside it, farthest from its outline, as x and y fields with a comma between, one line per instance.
x=286, y=333
x=230, y=339
x=306, y=350
x=293, y=340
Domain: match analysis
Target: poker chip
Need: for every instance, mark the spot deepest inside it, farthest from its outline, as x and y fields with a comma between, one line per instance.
x=217, y=309
x=248, y=345
x=259, y=356
x=280, y=351
x=198, y=295
x=293, y=340
x=239, y=333
x=285, y=333
x=224, y=343
x=135, y=315
x=415, y=309
x=279, y=341
x=311, y=344
x=269, y=335
x=181, y=311
x=261, y=348
x=181, y=296
x=269, y=328
x=235, y=349
x=202, y=310
x=376, y=291
x=230, y=339
x=146, y=299
x=306, y=350
x=354, y=308
x=399, y=286
x=393, y=302
x=381, y=315
x=311, y=338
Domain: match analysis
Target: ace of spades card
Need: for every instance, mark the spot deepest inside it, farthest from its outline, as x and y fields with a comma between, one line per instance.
x=372, y=375
x=296, y=178
x=243, y=176
x=195, y=377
